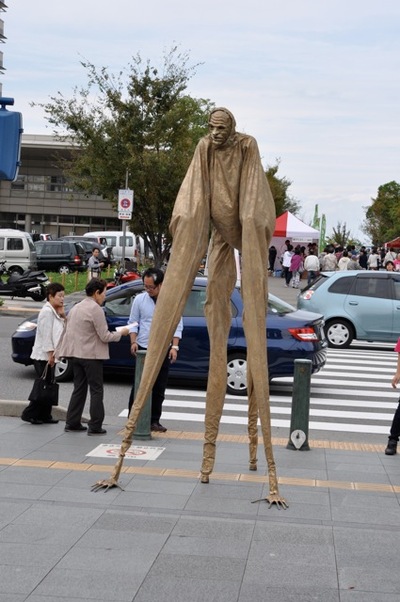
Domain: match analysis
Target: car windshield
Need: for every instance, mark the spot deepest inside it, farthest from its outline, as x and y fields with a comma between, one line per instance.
x=278, y=306
x=318, y=281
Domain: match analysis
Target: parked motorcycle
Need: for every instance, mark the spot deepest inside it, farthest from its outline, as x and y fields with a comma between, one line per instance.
x=29, y=284
x=122, y=275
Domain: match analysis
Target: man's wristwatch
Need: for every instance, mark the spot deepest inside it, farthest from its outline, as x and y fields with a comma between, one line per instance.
x=176, y=347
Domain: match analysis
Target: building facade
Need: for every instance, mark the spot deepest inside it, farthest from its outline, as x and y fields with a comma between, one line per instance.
x=40, y=201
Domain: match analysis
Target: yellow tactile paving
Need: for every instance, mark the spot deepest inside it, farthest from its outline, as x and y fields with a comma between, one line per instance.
x=193, y=474
x=34, y=463
x=250, y=477
x=7, y=461
x=335, y=484
x=69, y=466
x=317, y=444
x=373, y=487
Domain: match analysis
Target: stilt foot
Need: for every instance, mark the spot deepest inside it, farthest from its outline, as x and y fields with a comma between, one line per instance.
x=106, y=484
x=205, y=478
x=274, y=498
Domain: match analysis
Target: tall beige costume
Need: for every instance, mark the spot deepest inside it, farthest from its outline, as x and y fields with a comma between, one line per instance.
x=225, y=188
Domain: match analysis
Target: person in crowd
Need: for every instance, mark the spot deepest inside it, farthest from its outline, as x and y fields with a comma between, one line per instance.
x=396, y=263
x=50, y=325
x=394, y=435
x=284, y=248
x=353, y=263
x=390, y=256
x=363, y=258
x=373, y=259
x=286, y=261
x=94, y=264
x=85, y=341
x=272, y=253
x=311, y=264
x=139, y=322
x=389, y=266
x=344, y=261
x=296, y=267
x=329, y=261
x=338, y=252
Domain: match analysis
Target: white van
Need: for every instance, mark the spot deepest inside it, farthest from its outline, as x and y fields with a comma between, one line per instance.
x=115, y=240
x=17, y=250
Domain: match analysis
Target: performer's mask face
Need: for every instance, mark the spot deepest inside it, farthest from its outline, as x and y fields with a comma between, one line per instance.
x=219, y=127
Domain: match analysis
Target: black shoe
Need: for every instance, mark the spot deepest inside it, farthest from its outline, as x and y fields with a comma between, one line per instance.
x=97, y=432
x=158, y=428
x=50, y=421
x=74, y=429
x=25, y=419
x=35, y=421
x=391, y=448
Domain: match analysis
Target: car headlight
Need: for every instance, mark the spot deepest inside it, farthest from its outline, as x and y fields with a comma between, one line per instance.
x=26, y=326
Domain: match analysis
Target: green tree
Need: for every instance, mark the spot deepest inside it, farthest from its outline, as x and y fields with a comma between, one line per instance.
x=342, y=236
x=382, y=221
x=141, y=122
x=279, y=188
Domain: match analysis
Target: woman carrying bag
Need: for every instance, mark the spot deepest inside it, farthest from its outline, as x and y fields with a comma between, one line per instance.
x=50, y=325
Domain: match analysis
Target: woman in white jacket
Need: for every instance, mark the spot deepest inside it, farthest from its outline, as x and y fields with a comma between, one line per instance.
x=50, y=325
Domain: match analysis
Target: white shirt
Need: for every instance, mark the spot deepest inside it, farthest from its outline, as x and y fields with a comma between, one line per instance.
x=311, y=263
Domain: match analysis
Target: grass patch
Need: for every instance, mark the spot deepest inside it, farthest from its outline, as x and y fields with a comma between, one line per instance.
x=76, y=281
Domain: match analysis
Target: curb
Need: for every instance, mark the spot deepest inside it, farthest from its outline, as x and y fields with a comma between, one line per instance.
x=18, y=311
x=13, y=409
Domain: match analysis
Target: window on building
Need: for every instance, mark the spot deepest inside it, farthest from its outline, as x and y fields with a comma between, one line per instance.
x=19, y=183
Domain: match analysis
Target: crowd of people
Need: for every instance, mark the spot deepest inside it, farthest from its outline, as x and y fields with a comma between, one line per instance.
x=294, y=260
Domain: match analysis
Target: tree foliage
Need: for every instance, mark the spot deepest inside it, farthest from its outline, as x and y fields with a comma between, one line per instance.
x=279, y=189
x=141, y=122
x=342, y=236
x=382, y=221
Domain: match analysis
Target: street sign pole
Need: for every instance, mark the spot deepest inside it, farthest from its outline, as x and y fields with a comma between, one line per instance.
x=125, y=205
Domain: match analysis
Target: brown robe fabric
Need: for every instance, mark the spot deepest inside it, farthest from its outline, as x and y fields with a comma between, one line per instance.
x=225, y=191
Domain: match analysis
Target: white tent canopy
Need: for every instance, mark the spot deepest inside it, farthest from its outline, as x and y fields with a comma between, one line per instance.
x=290, y=227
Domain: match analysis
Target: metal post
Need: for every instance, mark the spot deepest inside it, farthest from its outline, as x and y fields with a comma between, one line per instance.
x=143, y=428
x=123, y=264
x=298, y=437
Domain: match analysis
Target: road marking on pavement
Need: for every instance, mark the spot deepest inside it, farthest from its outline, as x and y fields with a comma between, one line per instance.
x=135, y=452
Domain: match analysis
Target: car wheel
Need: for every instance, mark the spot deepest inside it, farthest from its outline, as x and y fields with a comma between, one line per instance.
x=63, y=370
x=16, y=270
x=63, y=269
x=237, y=374
x=339, y=333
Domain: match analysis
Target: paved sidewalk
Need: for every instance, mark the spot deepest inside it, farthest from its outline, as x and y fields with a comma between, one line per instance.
x=169, y=538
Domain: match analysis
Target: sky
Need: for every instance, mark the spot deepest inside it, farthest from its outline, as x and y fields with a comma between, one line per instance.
x=315, y=82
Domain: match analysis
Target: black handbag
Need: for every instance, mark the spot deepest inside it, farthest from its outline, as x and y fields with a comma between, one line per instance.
x=45, y=388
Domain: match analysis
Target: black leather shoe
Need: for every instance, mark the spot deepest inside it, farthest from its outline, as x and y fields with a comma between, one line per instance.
x=32, y=420
x=158, y=428
x=74, y=429
x=98, y=432
x=391, y=448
